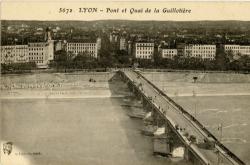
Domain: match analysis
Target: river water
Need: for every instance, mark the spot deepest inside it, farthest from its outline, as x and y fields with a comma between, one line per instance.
x=55, y=128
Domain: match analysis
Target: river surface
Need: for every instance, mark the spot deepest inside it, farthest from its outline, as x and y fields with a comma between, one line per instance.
x=53, y=130
x=74, y=131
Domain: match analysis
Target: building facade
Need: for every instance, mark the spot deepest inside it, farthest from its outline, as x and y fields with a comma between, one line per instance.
x=168, y=53
x=238, y=49
x=144, y=50
x=14, y=54
x=90, y=48
x=245, y=50
x=200, y=51
x=123, y=44
x=41, y=53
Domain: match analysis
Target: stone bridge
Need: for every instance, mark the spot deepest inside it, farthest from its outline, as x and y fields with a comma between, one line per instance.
x=181, y=129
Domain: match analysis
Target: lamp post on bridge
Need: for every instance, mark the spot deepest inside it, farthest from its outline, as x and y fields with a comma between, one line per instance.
x=194, y=95
x=219, y=129
x=195, y=102
x=176, y=95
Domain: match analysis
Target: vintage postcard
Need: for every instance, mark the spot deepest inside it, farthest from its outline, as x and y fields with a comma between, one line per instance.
x=125, y=83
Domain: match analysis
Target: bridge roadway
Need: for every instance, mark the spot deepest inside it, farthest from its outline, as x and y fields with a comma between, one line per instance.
x=176, y=117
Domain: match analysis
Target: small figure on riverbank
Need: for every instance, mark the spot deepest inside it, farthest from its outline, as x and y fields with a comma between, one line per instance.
x=92, y=80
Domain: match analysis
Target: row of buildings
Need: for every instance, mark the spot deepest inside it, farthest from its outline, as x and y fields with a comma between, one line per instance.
x=42, y=53
x=238, y=49
x=146, y=50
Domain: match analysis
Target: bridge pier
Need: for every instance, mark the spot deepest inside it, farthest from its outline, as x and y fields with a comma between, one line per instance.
x=169, y=133
x=189, y=156
x=166, y=143
x=157, y=119
x=146, y=106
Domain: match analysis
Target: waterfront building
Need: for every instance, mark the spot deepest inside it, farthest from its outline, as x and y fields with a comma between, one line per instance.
x=144, y=50
x=203, y=51
x=14, y=54
x=237, y=49
x=89, y=47
x=168, y=53
x=41, y=53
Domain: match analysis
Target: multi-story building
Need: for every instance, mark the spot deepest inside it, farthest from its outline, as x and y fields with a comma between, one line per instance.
x=14, y=54
x=181, y=49
x=41, y=53
x=123, y=44
x=245, y=50
x=144, y=50
x=200, y=51
x=168, y=53
x=238, y=49
x=89, y=48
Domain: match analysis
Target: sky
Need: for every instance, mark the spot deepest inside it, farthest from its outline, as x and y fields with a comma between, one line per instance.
x=46, y=10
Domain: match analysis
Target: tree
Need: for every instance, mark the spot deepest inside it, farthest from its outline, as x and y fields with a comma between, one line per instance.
x=244, y=63
x=230, y=55
x=61, y=59
x=60, y=55
x=221, y=59
x=84, y=60
x=209, y=64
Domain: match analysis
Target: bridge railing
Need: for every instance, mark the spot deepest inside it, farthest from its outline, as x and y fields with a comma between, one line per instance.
x=217, y=142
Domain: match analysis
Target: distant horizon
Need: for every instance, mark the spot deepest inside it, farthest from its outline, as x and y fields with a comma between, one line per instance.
x=130, y=20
